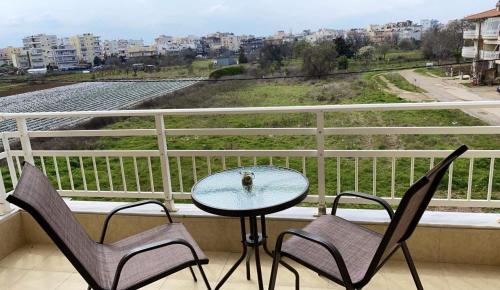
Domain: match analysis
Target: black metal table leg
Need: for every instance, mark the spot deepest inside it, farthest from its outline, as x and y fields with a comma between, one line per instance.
x=254, y=237
x=243, y=255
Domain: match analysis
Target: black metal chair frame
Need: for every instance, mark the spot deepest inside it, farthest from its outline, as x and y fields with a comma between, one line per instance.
x=377, y=261
x=137, y=251
x=152, y=246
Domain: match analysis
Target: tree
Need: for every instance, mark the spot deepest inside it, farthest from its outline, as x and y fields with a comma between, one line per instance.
x=383, y=49
x=356, y=41
x=242, y=58
x=342, y=47
x=407, y=44
x=320, y=59
x=444, y=43
x=343, y=62
x=271, y=54
x=299, y=47
x=366, y=53
x=97, y=61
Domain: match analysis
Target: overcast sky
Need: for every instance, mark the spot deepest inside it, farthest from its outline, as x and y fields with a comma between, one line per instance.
x=148, y=18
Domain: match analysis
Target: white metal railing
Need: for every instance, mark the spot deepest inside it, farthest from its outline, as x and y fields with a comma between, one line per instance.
x=471, y=34
x=168, y=174
x=469, y=51
x=490, y=55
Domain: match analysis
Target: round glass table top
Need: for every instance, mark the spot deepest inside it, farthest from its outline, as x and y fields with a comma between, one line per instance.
x=273, y=189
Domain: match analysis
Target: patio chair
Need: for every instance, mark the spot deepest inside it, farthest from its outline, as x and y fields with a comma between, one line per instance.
x=130, y=263
x=349, y=254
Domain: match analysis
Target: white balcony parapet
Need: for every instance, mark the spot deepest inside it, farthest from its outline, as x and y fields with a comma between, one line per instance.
x=68, y=166
x=490, y=55
x=471, y=34
x=469, y=52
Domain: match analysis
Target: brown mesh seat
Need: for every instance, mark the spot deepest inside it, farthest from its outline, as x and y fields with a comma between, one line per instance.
x=127, y=264
x=358, y=249
x=350, y=254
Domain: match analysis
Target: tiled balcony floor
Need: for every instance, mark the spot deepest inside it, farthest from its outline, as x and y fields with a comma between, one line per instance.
x=44, y=267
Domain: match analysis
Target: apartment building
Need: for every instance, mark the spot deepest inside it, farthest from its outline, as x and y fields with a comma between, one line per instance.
x=88, y=46
x=165, y=44
x=40, y=49
x=428, y=24
x=323, y=35
x=120, y=47
x=394, y=32
x=482, y=42
x=142, y=51
x=65, y=57
x=21, y=60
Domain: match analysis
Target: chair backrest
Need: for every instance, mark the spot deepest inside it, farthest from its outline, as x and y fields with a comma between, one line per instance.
x=35, y=194
x=413, y=205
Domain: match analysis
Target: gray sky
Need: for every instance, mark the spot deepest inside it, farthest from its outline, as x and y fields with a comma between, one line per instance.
x=148, y=18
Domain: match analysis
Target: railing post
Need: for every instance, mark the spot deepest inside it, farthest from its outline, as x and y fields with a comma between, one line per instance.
x=10, y=161
x=165, y=167
x=4, y=204
x=22, y=127
x=320, y=141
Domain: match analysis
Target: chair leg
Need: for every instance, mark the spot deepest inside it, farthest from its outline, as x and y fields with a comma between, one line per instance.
x=204, y=277
x=411, y=265
x=274, y=271
x=295, y=273
x=193, y=274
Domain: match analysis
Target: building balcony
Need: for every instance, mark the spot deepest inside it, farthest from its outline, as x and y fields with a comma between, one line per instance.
x=490, y=55
x=471, y=34
x=469, y=52
x=453, y=250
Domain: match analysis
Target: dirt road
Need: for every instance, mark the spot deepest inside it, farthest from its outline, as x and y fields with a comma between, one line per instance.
x=446, y=90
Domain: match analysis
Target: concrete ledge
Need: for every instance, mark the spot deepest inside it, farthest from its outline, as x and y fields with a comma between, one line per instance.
x=468, y=238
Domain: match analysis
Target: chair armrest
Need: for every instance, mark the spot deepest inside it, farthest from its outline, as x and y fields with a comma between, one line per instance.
x=322, y=242
x=376, y=199
x=127, y=206
x=147, y=248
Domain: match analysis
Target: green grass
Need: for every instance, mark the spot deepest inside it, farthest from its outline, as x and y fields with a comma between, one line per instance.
x=431, y=72
x=400, y=82
x=279, y=93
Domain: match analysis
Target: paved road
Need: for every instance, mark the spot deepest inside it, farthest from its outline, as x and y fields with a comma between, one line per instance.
x=446, y=90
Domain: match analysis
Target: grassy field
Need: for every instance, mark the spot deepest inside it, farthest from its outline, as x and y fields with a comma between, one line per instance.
x=361, y=89
x=431, y=72
x=403, y=84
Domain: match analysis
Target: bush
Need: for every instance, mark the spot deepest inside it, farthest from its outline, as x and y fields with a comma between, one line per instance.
x=227, y=71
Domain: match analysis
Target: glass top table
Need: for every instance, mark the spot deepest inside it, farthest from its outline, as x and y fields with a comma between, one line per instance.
x=273, y=189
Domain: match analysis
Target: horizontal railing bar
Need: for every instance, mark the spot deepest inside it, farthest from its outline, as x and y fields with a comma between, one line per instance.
x=434, y=202
x=258, y=110
x=92, y=153
x=463, y=130
x=409, y=153
x=90, y=133
x=241, y=132
x=261, y=153
x=243, y=153
x=115, y=194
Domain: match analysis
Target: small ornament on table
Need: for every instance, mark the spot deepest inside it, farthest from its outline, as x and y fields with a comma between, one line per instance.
x=247, y=179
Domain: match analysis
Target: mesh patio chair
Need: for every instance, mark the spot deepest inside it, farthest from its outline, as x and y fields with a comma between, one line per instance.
x=351, y=255
x=127, y=264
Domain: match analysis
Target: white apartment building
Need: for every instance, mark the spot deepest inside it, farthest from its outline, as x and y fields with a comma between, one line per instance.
x=21, y=60
x=428, y=24
x=120, y=47
x=40, y=49
x=324, y=35
x=482, y=43
x=88, y=46
x=395, y=31
x=166, y=43
x=65, y=57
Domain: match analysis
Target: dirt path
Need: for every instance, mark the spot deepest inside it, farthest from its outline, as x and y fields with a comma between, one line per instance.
x=446, y=90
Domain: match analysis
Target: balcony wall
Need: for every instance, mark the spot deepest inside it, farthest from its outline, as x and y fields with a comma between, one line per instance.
x=469, y=52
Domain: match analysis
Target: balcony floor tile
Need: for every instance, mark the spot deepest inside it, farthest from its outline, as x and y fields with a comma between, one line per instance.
x=44, y=267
